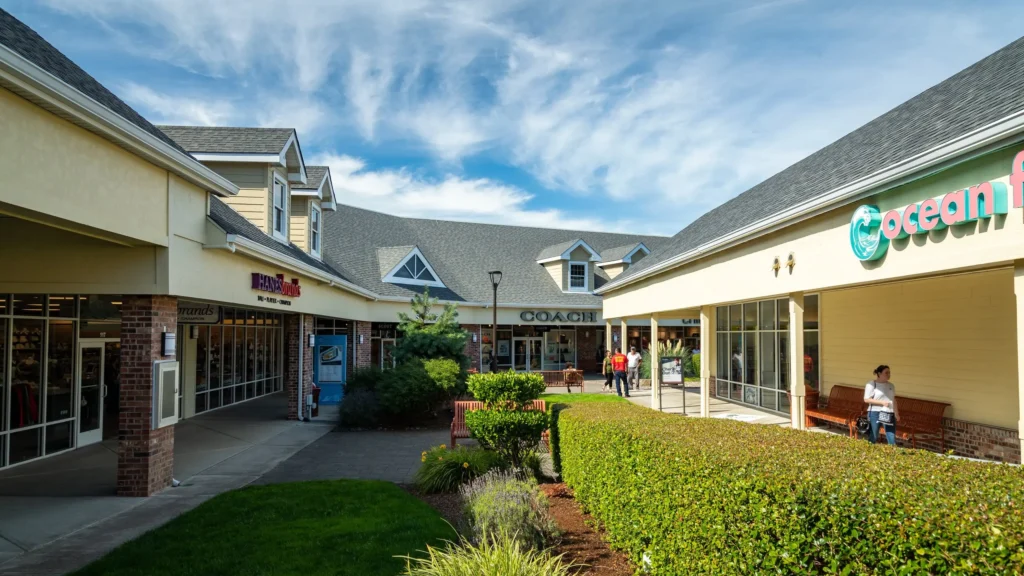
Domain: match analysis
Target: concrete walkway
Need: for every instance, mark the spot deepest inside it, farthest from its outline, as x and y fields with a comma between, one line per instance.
x=59, y=514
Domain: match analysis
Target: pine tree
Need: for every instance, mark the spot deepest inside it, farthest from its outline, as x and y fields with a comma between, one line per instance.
x=428, y=335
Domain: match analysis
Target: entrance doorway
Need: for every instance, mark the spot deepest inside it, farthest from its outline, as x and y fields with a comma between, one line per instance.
x=98, y=388
x=527, y=354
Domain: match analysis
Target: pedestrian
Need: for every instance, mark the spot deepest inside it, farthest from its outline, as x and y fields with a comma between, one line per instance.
x=606, y=371
x=633, y=364
x=880, y=396
x=619, y=363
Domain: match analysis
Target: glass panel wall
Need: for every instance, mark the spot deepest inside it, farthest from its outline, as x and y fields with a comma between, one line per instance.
x=753, y=344
x=238, y=359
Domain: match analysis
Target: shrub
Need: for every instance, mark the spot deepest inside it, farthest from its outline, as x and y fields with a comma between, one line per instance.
x=712, y=496
x=506, y=389
x=407, y=394
x=363, y=379
x=512, y=433
x=508, y=503
x=444, y=470
x=447, y=376
x=498, y=556
x=669, y=349
x=694, y=367
x=359, y=409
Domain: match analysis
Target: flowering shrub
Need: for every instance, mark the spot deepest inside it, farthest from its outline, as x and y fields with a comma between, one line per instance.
x=444, y=470
x=712, y=496
x=508, y=503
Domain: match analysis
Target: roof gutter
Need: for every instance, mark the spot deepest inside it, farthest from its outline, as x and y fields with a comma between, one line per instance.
x=500, y=304
x=31, y=80
x=244, y=245
x=944, y=156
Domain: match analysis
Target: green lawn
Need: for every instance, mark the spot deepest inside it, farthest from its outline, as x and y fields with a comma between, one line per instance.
x=339, y=527
x=550, y=399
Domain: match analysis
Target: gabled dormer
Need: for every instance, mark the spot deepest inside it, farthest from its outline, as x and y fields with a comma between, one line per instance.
x=309, y=200
x=570, y=265
x=614, y=261
x=260, y=161
x=406, y=265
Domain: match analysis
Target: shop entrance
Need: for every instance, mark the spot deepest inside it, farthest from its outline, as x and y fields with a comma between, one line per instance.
x=98, y=377
x=528, y=354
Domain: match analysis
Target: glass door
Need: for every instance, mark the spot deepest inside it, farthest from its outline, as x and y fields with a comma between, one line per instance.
x=91, y=391
x=536, y=350
x=527, y=354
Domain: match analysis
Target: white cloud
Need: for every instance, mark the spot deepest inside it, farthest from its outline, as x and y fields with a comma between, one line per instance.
x=164, y=109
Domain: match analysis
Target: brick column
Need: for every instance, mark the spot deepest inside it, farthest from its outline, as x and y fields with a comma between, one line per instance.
x=586, y=349
x=145, y=457
x=363, y=356
x=472, y=349
x=296, y=344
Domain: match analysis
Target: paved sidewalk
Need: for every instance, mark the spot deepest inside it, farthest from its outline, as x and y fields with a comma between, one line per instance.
x=371, y=455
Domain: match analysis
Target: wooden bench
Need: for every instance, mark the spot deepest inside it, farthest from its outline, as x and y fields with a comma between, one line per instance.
x=567, y=378
x=919, y=418
x=845, y=405
x=459, y=429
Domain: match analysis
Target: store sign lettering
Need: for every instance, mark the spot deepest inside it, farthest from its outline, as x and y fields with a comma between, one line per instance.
x=196, y=313
x=871, y=231
x=545, y=316
x=276, y=285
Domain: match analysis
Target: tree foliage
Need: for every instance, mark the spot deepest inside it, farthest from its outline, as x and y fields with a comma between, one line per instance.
x=426, y=334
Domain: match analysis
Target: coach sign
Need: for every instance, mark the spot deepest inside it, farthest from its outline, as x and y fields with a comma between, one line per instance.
x=545, y=316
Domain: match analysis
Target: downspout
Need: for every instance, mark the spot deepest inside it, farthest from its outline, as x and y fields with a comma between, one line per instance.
x=302, y=353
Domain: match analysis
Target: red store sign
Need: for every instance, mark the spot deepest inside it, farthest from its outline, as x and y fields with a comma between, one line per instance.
x=276, y=285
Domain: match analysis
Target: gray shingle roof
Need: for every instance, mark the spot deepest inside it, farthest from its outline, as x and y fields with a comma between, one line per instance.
x=26, y=42
x=234, y=223
x=619, y=252
x=314, y=178
x=461, y=253
x=229, y=139
x=979, y=95
x=389, y=256
x=556, y=250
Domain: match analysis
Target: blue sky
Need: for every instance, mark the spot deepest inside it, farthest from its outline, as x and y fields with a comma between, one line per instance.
x=620, y=116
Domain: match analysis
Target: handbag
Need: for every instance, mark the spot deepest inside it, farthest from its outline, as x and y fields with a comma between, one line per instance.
x=887, y=418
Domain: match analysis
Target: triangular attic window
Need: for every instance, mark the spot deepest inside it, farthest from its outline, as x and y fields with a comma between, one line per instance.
x=415, y=269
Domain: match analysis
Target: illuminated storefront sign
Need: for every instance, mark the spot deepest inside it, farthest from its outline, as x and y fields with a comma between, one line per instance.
x=545, y=316
x=276, y=285
x=871, y=231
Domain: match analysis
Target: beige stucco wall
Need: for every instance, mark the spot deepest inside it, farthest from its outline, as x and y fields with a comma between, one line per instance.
x=823, y=256
x=949, y=339
x=57, y=170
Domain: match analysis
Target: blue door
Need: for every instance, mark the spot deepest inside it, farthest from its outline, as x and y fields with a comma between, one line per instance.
x=329, y=367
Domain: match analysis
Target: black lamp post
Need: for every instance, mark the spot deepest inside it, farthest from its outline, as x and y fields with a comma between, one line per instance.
x=495, y=280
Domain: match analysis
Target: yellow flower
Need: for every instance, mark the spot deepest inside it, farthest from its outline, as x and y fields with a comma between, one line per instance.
x=443, y=446
x=439, y=458
x=465, y=464
x=423, y=458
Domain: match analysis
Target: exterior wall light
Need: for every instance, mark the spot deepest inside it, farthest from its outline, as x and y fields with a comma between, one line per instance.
x=791, y=262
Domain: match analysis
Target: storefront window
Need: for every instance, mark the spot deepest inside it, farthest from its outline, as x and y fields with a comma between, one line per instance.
x=26, y=373
x=60, y=371
x=240, y=360
x=29, y=305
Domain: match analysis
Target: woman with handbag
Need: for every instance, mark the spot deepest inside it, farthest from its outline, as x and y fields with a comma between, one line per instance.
x=880, y=396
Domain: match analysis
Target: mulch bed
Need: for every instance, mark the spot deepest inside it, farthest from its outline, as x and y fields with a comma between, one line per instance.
x=580, y=542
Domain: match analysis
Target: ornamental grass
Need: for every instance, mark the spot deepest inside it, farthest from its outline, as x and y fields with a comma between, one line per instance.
x=711, y=496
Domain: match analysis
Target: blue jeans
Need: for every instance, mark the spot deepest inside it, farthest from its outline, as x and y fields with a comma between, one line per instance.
x=620, y=377
x=890, y=429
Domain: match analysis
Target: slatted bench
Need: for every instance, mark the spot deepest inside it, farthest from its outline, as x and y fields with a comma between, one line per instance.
x=920, y=418
x=845, y=405
x=459, y=429
x=567, y=378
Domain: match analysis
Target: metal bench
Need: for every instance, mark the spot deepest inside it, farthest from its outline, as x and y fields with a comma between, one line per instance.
x=845, y=405
x=459, y=429
x=919, y=418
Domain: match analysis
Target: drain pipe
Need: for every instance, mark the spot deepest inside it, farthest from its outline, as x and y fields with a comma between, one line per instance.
x=302, y=354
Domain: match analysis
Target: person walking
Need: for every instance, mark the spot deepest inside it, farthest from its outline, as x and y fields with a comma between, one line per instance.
x=606, y=371
x=880, y=396
x=619, y=363
x=633, y=365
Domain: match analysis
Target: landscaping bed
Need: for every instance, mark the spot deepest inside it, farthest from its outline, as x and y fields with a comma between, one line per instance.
x=580, y=541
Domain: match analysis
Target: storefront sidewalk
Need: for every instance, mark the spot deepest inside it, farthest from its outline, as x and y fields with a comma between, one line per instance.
x=60, y=513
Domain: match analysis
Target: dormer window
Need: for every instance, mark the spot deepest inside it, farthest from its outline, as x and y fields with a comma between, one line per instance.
x=578, y=276
x=407, y=265
x=415, y=269
x=279, y=217
x=314, y=230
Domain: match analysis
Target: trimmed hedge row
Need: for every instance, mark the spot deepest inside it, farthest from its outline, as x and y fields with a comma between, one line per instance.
x=713, y=496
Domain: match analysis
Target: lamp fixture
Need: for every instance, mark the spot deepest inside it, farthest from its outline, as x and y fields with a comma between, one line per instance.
x=193, y=332
x=495, y=277
x=474, y=338
x=312, y=339
x=168, y=344
x=791, y=262
x=360, y=338
x=776, y=266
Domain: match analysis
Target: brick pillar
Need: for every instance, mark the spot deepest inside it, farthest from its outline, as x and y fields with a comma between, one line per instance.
x=363, y=356
x=145, y=457
x=472, y=348
x=296, y=344
x=586, y=349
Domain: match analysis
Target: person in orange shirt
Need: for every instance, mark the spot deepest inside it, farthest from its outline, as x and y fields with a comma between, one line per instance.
x=619, y=362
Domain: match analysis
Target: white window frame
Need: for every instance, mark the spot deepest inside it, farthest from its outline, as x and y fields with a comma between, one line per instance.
x=586, y=273
x=282, y=234
x=315, y=231
x=392, y=279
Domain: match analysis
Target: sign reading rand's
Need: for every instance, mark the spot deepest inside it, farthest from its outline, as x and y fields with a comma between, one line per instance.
x=276, y=285
x=545, y=316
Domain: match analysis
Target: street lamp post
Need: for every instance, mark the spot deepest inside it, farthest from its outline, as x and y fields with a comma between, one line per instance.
x=495, y=280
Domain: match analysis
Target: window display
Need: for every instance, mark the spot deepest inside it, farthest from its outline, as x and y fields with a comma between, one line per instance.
x=26, y=372
x=239, y=358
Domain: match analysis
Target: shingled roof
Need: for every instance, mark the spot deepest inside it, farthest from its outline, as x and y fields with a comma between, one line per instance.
x=23, y=40
x=229, y=139
x=314, y=178
x=975, y=97
x=461, y=254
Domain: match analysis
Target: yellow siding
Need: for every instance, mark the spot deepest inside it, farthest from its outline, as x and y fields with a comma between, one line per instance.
x=299, y=223
x=254, y=204
x=949, y=339
x=614, y=270
x=242, y=175
x=555, y=269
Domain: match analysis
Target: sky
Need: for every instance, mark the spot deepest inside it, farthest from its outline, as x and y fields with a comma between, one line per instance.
x=595, y=115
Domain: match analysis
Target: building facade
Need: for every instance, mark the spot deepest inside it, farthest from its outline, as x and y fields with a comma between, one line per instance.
x=899, y=244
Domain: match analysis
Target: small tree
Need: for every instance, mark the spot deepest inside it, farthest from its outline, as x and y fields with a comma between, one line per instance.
x=429, y=335
x=504, y=424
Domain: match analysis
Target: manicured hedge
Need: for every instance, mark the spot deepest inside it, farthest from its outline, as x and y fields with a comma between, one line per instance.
x=712, y=496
